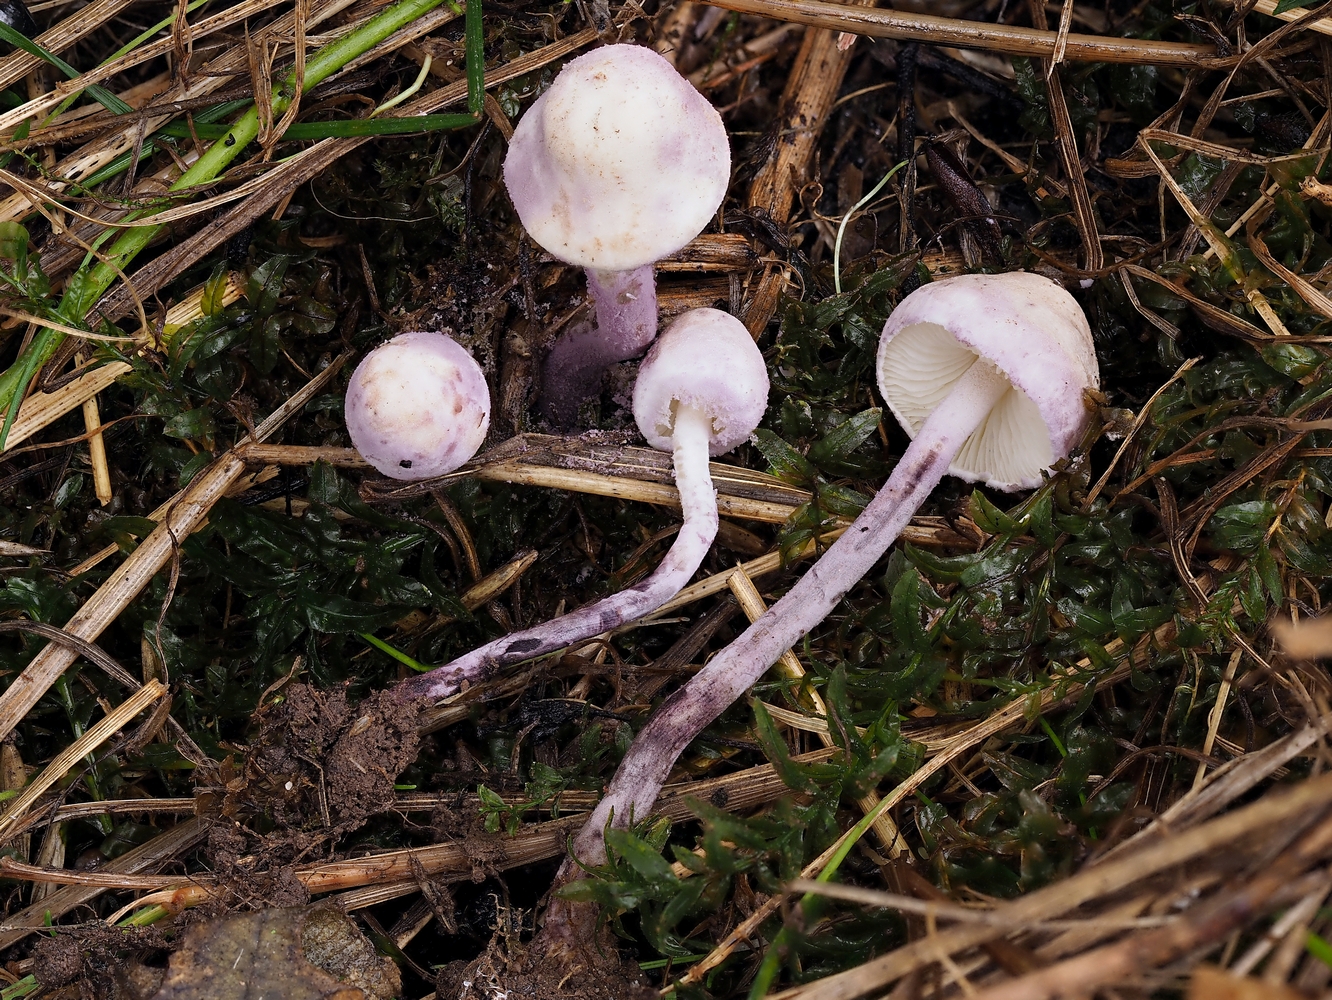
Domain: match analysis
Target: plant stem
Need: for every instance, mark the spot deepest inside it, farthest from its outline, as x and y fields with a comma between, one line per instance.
x=87, y=286
x=699, y=502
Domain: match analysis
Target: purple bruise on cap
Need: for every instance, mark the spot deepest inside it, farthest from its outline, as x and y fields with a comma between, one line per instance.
x=620, y=163
x=418, y=406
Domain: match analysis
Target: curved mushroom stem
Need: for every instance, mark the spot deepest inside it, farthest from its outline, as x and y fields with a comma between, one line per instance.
x=731, y=672
x=626, y=305
x=692, y=432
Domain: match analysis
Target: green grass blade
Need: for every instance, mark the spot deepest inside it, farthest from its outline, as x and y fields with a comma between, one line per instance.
x=474, y=47
x=339, y=129
x=103, y=96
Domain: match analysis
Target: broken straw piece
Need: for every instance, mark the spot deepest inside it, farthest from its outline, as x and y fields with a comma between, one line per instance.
x=987, y=373
x=701, y=390
x=417, y=406
x=620, y=163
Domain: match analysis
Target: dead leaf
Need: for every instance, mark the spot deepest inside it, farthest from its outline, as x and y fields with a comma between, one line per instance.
x=1211, y=983
x=1305, y=640
x=272, y=953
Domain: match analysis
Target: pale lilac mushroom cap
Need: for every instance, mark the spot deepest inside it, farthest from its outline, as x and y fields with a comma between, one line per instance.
x=418, y=406
x=707, y=360
x=1034, y=333
x=620, y=163
x=701, y=390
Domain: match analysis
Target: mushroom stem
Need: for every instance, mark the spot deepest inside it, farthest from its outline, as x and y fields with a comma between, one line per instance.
x=731, y=672
x=698, y=499
x=626, y=306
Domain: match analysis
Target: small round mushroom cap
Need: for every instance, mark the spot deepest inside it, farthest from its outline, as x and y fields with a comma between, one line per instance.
x=620, y=163
x=706, y=359
x=1035, y=334
x=417, y=406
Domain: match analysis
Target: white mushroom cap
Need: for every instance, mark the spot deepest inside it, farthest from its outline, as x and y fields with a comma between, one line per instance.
x=1035, y=334
x=619, y=163
x=418, y=406
x=706, y=359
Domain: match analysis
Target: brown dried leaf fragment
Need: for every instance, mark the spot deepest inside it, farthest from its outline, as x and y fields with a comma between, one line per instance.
x=1305, y=640
x=1211, y=983
x=279, y=953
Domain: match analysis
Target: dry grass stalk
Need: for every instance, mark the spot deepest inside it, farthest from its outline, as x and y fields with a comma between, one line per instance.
x=1074, y=175
x=176, y=520
x=42, y=409
x=1322, y=25
x=753, y=568
x=66, y=32
x=94, y=156
x=1273, y=810
x=85, y=744
x=955, y=911
x=807, y=100
x=905, y=26
x=789, y=666
x=1309, y=639
x=392, y=874
x=1209, y=983
x=92, y=423
x=1214, y=716
x=162, y=848
x=1202, y=924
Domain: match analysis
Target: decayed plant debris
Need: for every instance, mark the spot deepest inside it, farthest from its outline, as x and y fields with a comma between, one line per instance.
x=1030, y=692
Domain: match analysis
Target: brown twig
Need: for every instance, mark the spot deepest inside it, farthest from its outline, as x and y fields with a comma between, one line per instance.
x=881, y=23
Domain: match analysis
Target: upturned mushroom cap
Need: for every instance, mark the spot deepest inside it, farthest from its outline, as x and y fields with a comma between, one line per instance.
x=706, y=359
x=417, y=406
x=1034, y=333
x=619, y=163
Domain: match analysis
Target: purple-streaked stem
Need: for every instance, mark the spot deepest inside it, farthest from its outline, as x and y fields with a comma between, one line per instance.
x=698, y=498
x=626, y=307
x=731, y=672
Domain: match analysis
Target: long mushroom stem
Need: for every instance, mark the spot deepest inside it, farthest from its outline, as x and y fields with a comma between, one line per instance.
x=626, y=307
x=731, y=672
x=698, y=498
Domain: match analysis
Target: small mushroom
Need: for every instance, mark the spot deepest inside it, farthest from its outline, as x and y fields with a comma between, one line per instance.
x=987, y=374
x=701, y=391
x=417, y=406
x=620, y=163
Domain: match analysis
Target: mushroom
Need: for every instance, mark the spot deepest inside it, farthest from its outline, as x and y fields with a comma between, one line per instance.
x=692, y=410
x=417, y=406
x=987, y=374
x=620, y=163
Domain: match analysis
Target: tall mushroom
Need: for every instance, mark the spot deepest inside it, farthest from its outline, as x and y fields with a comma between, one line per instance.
x=701, y=391
x=987, y=374
x=620, y=163
x=417, y=406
